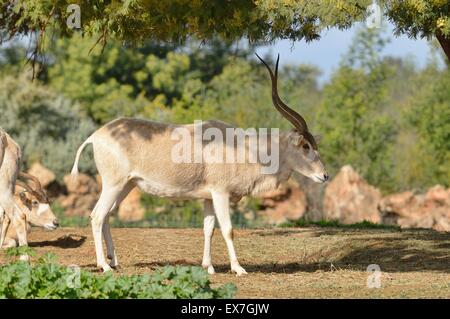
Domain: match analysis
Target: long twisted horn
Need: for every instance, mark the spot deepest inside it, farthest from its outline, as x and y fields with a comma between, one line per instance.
x=25, y=186
x=37, y=191
x=32, y=178
x=296, y=119
x=292, y=116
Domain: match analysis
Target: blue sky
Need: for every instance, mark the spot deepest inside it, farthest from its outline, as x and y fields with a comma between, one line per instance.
x=326, y=52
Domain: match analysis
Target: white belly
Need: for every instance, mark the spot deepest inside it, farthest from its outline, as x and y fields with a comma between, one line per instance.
x=160, y=189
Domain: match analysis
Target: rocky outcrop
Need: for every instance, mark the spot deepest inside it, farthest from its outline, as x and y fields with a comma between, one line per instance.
x=287, y=202
x=43, y=174
x=350, y=199
x=429, y=210
x=82, y=195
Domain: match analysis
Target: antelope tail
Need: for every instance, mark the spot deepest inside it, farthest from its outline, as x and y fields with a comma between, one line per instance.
x=74, y=172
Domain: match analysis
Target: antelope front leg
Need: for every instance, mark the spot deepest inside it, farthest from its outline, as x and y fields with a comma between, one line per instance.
x=20, y=224
x=208, y=230
x=221, y=204
x=5, y=221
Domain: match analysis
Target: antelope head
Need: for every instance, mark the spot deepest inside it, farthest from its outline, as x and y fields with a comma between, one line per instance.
x=34, y=203
x=302, y=151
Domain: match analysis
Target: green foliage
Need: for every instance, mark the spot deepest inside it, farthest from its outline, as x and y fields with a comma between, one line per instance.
x=355, y=128
x=148, y=81
x=20, y=251
x=47, y=280
x=429, y=117
x=336, y=224
x=176, y=20
x=422, y=18
x=48, y=127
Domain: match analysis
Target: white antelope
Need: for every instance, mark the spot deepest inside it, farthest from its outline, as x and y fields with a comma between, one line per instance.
x=10, y=156
x=135, y=152
x=33, y=202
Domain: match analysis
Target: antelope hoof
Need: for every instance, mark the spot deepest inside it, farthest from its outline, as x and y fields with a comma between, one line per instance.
x=114, y=263
x=209, y=269
x=105, y=267
x=238, y=270
x=24, y=258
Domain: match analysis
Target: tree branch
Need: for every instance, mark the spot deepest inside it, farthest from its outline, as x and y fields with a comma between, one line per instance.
x=445, y=44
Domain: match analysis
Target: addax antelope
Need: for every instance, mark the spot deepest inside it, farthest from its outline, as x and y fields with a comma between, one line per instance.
x=32, y=201
x=134, y=152
x=10, y=156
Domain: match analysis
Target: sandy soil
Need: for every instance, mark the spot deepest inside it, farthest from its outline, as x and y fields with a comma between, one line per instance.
x=282, y=263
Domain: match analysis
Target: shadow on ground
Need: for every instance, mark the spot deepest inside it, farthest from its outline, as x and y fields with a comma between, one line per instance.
x=66, y=241
x=393, y=250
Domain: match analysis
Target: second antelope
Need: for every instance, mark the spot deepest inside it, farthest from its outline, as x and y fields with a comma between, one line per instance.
x=33, y=202
x=133, y=152
x=10, y=156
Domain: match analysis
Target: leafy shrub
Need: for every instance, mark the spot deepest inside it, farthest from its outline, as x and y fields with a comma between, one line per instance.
x=365, y=224
x=46, y=279
x=48, y=127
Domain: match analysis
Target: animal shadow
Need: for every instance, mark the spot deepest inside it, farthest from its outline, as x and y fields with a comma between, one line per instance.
x=65, y=241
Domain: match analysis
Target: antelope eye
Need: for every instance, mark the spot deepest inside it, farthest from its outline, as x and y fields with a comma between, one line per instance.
x=35, y=203
x=306, y=147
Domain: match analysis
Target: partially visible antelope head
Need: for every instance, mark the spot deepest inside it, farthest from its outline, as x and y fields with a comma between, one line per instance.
x=34, y=203
x=302, y=151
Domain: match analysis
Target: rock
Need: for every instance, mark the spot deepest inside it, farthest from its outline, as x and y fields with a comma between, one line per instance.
x=429, y=210
x=131, y=209
x=76, y=205
x=439, y=195
x=287, y=202
x=84, y=184
x=82, y=195
x=43, y=174
x=399, y=203
x=350, y=199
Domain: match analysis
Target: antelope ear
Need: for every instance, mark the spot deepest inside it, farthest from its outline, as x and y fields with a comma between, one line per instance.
x=318, y=138
x=296, y=138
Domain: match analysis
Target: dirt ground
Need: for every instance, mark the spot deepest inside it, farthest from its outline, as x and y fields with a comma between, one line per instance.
x=282, y=263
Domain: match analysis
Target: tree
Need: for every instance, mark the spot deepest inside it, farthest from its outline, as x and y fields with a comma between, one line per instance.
x=351, y=118
x=176, y=20
x=47, y=126
x=429, y=117
x=421, y=18
x=135, y=81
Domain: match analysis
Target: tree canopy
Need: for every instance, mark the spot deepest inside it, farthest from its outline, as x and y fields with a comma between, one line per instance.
x=257, y=20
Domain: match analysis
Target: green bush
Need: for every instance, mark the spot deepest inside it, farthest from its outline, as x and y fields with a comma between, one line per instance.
x=365, y=224
x=46, y=279
x=48, y=127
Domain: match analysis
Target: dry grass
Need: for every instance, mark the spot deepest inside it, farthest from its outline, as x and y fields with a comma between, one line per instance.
x=282, y=263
